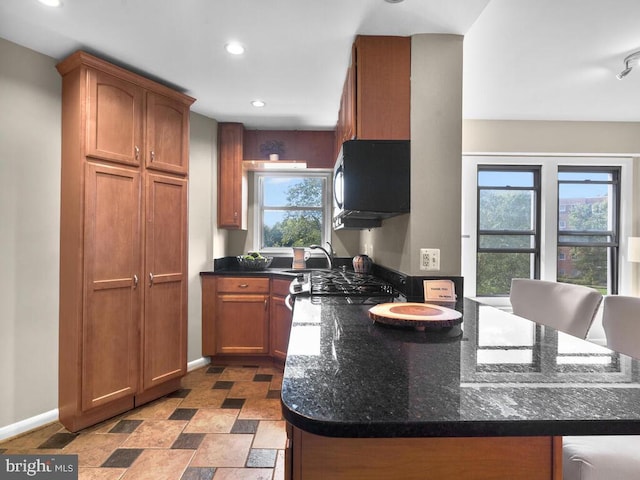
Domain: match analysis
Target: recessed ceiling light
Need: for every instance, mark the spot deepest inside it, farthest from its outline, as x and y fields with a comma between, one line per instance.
x=234, y=48
x=51, y=3
x=394, y=1
x=258, y=103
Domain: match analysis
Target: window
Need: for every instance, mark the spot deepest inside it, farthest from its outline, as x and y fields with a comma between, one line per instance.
x=293, y=209
x=588, y=232
x=577, y=235
x=508, y=227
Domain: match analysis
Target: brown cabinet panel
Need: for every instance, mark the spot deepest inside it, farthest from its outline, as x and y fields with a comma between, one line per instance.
x=376, y=96
x=112, y=297
x=242, y=324
x=232, y=213
x=123, y=241
x=167, y=134
x=114, y=119
x=165, y=320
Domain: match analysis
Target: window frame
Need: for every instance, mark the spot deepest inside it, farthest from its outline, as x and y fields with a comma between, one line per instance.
x=326, y=208
x=549, y=177
x=614, y=244
x=533, y=233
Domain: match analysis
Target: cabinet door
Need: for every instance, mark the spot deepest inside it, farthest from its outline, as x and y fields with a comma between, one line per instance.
x=114, y=119
x=242, y=324
x=112, y=294
x=383, y=87
x=280, y=320
x=167, y=134
x=230, y=177
x=165, y=316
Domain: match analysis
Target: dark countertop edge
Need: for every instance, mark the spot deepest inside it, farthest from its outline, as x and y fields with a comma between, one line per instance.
x=281, y=272
x=489, y=428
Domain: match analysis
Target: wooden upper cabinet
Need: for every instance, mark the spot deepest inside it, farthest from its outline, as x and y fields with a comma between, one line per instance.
x=376, y=97
x=232, y=213
x=167, y=134
x=114, y=119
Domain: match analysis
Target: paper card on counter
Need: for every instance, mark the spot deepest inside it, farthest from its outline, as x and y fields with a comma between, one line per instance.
x=439, y=291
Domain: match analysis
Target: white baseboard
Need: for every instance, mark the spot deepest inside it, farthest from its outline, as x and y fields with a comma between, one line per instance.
x=27, y=424
x=195, y=364
x=45, y=418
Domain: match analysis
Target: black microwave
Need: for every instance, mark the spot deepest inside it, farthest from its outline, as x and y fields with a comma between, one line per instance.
x=372, y=181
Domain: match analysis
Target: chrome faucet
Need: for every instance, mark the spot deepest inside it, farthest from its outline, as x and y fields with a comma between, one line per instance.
x=328, y=254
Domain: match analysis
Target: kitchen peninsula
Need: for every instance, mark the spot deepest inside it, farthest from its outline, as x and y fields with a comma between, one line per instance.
x=364, y=400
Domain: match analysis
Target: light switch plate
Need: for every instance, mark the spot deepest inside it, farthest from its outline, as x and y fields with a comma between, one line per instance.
x=430, y=259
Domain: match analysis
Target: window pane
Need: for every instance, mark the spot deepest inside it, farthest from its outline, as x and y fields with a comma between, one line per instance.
x=584, y=239
x=582, y=176
x=584, y=213
x=292, y=191
x=495, y=271
x=504, y=179
x=584, y=266
x=507, y=241
x=506, y=210
x=291, y=228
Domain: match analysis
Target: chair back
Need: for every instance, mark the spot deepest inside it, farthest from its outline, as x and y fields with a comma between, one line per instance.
x=621, y=322
x=563, y=306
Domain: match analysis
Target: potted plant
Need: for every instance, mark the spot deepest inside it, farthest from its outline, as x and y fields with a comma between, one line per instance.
x=272, y=149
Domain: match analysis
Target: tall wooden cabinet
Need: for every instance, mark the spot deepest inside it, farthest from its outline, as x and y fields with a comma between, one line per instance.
x=232, y=179
x=376, y=97
x=123, y=242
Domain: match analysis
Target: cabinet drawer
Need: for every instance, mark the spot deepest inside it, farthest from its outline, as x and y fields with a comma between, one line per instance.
x=243, y=284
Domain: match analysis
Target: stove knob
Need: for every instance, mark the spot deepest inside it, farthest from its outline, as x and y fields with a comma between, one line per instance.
x=297, y=287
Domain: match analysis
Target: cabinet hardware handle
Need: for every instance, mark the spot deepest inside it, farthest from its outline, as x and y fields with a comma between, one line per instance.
x=153, y=155
x=265, y=303
x=150, y=279
x=137, y=150
x=135, y=281
x=243, y=285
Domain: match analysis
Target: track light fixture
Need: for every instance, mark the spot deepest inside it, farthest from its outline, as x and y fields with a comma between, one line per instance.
x=629, y=62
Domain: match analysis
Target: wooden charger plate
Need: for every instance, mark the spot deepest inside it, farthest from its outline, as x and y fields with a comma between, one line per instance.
x=420, y=315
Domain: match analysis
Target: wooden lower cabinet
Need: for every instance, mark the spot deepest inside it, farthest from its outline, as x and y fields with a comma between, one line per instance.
x=313, y=457
x=245, y=317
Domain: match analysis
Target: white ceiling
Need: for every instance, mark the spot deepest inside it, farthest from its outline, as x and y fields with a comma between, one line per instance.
x=523, y=59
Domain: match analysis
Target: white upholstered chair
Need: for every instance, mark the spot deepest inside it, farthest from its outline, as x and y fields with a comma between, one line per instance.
x=565, y=307
x=609, y=457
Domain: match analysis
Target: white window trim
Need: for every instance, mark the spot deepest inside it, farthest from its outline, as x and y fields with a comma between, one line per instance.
x=549, y=211
x=257, y=210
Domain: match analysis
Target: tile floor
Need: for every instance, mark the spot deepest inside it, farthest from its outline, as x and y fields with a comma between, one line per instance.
x=225, y=424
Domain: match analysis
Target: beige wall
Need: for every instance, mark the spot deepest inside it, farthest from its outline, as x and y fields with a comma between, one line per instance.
x=436, y=143
x=29, y=237
x=30, y=92
x=547, y=137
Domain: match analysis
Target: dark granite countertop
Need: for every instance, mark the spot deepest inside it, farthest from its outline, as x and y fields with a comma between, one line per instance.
x=499, y=375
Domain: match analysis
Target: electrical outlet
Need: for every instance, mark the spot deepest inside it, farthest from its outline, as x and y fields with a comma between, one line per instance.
x=430, y=259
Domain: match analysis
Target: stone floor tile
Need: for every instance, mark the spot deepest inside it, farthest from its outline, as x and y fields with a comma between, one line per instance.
x=262, y=458
x=244, y=474
x=33, y=439
x=92, y=473
x=261, y=409
x=122, y=458
x=198, y=473
x=233, y=403
x=160, y=409
x=238, y=374
x=189, y=441
x=278, y=472
x=274, y=394
x=223, y=450
x=125, y=426
x=159, y=465
x=204, y=398
x=155, y=434
x=212, y=420
x=270, y=434
x=249, y=390
x=93, y=449
x=183, y=414
x=245, y=426
x=58, y=440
